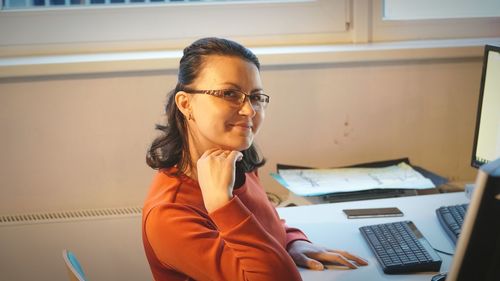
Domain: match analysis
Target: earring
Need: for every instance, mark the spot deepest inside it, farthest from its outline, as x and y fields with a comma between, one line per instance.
x=190, y=116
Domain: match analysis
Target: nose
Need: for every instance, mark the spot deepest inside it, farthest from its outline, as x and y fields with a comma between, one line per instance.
x=247, y=108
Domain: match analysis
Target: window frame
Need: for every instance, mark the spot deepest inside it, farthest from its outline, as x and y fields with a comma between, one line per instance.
x=171, y=26
x=403, y=30
x=364, y=37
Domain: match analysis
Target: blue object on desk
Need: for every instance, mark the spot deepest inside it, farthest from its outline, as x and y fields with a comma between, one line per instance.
x=75, y=270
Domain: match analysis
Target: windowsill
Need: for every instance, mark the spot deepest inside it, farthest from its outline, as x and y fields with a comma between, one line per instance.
x=11, y=67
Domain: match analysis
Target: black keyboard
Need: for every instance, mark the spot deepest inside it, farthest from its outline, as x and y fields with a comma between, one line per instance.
x=400, y=247
x=451, y=219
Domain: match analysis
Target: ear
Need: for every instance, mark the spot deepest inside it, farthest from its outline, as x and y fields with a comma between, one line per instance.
x=183, y=102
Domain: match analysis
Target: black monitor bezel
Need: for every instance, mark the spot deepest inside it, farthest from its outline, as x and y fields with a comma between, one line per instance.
x=487, y=49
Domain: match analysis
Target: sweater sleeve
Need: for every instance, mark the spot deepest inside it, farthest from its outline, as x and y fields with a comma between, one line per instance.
x=230, y=244
x=293, y=234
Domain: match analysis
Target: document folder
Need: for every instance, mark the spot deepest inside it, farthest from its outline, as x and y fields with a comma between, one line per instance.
x=375, y=193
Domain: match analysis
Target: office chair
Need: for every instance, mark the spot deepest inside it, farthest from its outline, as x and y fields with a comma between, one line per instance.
x=75, y=270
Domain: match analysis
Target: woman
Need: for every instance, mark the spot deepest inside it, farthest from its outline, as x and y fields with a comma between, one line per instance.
x=207, y=216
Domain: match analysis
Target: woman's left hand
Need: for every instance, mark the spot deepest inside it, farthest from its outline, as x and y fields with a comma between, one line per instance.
x=313, y=256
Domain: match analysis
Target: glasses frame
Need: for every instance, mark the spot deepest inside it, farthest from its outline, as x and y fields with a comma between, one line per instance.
x=220, y=94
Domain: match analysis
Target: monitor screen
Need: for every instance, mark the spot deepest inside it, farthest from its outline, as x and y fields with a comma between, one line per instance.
x=487, y=135
x=477, y=256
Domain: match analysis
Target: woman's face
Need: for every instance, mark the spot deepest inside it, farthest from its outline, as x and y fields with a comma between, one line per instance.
x=216, y=123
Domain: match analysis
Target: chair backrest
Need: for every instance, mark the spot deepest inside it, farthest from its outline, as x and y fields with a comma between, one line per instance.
x=75, y=270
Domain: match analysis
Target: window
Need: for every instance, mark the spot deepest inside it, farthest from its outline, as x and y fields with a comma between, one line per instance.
x=443, y=9
x=149, y=36
x=37, y=4
x=160, y=26
x=426, y=19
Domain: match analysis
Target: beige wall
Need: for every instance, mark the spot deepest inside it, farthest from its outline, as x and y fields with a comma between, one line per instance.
x=80, y=141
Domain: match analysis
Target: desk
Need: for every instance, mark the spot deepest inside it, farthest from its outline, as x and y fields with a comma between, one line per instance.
x=33, y=251
x=326, y=224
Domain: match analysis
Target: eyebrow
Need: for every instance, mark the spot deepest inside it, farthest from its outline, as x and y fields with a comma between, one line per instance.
x=239, y=88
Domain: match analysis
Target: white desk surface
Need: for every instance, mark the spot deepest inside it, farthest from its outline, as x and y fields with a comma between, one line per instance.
x=111, y=249
x=326, y=224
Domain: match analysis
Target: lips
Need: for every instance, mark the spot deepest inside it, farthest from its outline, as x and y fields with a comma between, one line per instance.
x=243, y=125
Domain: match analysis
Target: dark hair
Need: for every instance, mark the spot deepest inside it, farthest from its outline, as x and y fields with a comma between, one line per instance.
x=171, y=147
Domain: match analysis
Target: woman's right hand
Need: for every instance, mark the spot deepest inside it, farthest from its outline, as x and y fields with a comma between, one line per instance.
x=216, y=175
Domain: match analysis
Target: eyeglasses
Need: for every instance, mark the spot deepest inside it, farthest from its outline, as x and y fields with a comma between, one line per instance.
x=258, y=100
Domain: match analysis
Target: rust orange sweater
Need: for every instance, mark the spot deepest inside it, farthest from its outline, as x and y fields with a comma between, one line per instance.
x=242, y=240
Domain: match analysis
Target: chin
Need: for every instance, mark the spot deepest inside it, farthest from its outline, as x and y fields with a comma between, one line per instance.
x=239, y=146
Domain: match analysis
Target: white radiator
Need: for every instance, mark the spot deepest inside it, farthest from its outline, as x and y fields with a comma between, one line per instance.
x=71, y=215
x=106, y=241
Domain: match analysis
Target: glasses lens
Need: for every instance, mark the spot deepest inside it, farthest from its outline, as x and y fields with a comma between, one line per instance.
x=237, y=98
x=259, y=101
x=233, y=96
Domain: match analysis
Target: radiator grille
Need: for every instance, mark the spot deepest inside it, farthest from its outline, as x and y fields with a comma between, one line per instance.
x=85, y=214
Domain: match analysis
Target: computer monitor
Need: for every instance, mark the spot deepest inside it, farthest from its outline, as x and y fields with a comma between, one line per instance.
x=487, y=136
x=477, y=256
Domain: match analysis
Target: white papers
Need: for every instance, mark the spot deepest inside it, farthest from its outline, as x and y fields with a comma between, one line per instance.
x=311, y=182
